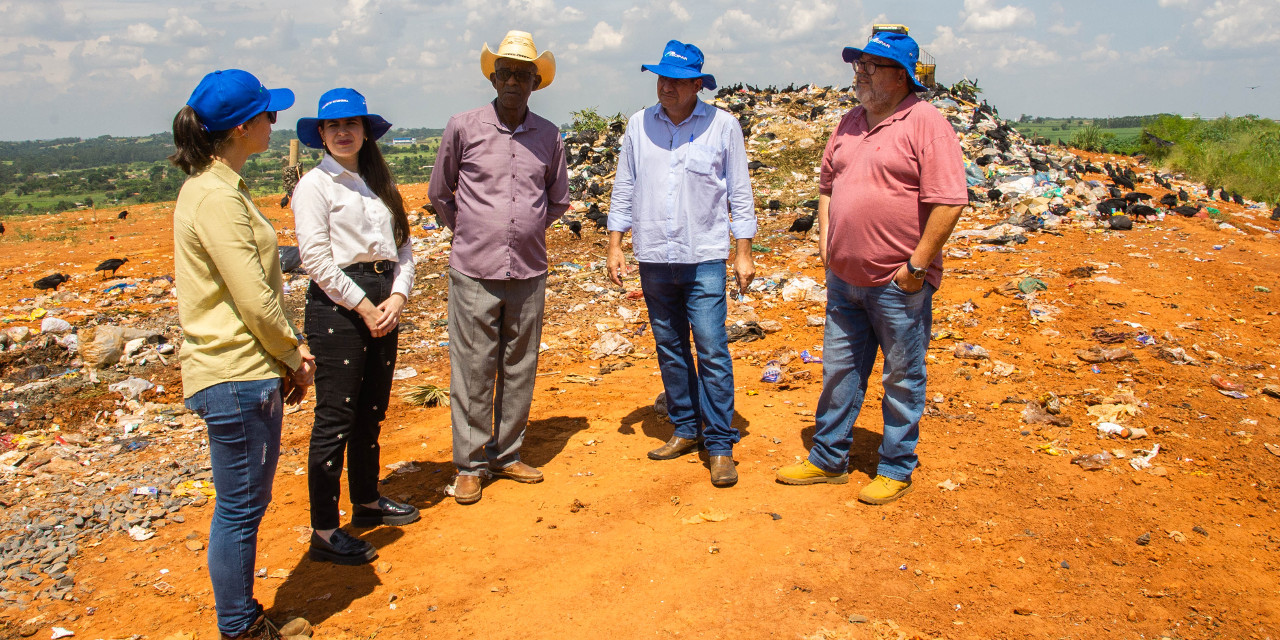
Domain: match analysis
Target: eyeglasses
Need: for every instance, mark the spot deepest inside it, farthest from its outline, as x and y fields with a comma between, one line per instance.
x=271, y=116
x=523, y=77
x=869, y=67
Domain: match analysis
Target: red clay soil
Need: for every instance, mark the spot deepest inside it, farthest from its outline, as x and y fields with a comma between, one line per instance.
x=1027, y=545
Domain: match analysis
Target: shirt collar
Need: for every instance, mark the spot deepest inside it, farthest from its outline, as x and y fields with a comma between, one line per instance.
x=700, y=109
x=899, y=112
x=490, y=116
x=227, y=175
x=331, y=166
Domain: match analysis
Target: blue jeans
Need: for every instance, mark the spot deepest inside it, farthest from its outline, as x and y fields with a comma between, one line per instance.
x=860, y=322
x=244, y=420
x=682, y=297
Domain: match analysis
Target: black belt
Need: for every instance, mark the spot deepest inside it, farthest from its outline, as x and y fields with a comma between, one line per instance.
x=379, y=266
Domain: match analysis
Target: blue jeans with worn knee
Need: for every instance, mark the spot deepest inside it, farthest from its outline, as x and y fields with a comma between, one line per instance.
x=862, y=321
x=244, y=420
x=687, y=310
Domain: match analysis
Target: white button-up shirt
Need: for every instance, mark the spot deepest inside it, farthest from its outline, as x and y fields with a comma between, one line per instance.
x=681, y=189
x=341, y=222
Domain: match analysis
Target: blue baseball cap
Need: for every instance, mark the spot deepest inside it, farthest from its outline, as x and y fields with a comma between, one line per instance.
x=680, y=60
x=898, y=47
x=227, y=98
x=335, y=104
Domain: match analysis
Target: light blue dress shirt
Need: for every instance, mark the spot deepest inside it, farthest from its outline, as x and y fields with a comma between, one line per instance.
x=681, y=189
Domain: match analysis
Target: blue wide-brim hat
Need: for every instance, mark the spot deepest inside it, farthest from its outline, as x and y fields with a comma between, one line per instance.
x=899, y=47
x=336, y=104
x=680, y=60
x=230, y=97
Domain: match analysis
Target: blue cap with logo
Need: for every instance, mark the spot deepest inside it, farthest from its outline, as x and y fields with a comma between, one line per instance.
x=899, y=47
x=336, y=104
x=680, y=60
x=230, y=97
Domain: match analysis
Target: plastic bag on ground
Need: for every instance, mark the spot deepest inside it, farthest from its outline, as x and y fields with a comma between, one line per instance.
x=131, y=387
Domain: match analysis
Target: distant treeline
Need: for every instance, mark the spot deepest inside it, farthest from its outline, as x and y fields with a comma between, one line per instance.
x=1241, y=154
x=1121, y=122
x=56, y=175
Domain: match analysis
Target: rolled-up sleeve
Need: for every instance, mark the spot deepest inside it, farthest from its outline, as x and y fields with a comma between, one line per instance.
x=223, y=227
x=311, y=209
x=742, y=204
x=444, y=177
x=624, y=181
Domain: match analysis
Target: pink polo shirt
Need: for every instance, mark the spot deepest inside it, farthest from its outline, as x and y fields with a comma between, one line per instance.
x=883, y=183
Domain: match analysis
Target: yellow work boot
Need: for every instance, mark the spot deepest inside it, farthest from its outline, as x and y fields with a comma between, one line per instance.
x=808, y=473
x=884, y=490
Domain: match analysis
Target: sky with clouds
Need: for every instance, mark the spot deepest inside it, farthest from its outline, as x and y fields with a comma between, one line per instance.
x=124, y=67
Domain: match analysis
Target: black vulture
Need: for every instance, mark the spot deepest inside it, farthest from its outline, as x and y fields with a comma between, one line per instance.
x=1186, y=210
x=1105, y=207
x=802, y=224
x=1123, y=181
x=810, y=204
x=575, y=227
x=1142, y=210
x=756, y=165
x=1135, y=196
x=775, y=205
x=1223, y=195
x=110, y=264
x=994, y=194
x=1, y=228
x=50, y=282
x=122, y=215
x=1236, y=198
x=1183, y=195
x=284, y=201
x=1275, y=213
x=1169, y=200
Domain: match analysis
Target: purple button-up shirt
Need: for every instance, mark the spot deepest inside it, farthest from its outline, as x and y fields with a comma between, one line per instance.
x=498, y=190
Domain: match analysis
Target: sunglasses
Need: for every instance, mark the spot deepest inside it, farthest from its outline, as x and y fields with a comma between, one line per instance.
x=869, y=67
x=523, y=77
x=271, y=116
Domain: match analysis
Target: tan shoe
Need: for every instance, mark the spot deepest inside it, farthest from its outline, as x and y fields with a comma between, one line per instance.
x=467, y=489
x=723, y=472
x=520, y=472
x=806, y=472
x=674, y=448
x=884, y=490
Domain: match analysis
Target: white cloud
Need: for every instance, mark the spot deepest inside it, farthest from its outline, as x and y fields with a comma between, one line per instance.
x=980, y=15
x=603, y=37
x=1064, y=30
x=1240, y=24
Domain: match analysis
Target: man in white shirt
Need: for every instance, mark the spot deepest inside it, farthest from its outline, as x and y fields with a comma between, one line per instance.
x=681, y=188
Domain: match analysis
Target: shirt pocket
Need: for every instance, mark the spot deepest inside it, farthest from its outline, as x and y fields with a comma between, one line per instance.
x=703, y=160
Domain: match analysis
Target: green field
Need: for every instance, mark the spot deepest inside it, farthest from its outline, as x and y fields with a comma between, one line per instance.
x=1055, y=128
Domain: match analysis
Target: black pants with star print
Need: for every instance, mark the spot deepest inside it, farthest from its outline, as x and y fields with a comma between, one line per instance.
x=353, y=386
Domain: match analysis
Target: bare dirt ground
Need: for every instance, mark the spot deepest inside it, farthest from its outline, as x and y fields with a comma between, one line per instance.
x=1026, y=545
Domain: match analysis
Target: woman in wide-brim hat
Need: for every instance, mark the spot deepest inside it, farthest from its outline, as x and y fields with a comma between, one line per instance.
x=353, y=236
x=240, y=353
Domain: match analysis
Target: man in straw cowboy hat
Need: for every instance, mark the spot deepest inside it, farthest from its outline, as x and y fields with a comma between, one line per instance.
x=682, y=189
x=499, y=181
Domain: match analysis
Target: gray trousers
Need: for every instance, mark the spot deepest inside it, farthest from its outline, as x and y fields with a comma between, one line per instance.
x=495, y=328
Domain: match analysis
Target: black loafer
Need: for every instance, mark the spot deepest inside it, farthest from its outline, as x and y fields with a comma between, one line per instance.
x=389, y=512
x=341, y=548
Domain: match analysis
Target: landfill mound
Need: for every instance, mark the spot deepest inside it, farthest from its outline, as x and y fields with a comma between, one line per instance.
x=1101, y=418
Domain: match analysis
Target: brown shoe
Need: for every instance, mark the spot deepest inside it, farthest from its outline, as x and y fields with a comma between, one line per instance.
x=520, y=472
x=466, y=489
x=674, y=448
x=723, y=471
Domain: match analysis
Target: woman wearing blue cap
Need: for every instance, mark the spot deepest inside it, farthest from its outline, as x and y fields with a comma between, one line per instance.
x=353, y=235
x=238, y=343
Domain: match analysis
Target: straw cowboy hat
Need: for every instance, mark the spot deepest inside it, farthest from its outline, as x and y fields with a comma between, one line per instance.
x=518, y=45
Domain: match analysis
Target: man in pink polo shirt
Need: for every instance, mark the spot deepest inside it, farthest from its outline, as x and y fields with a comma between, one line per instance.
x=891, y=190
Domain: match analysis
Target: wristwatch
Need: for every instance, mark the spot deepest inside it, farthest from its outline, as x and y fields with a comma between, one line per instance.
x=917, y=272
